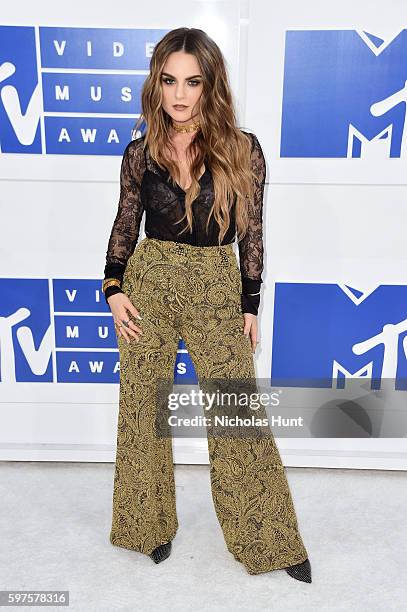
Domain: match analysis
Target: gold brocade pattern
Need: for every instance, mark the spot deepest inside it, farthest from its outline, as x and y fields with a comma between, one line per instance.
x=194, y=292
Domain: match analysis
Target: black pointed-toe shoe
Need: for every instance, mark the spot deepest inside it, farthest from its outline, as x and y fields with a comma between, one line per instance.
x=302, y=571
x=161, y=552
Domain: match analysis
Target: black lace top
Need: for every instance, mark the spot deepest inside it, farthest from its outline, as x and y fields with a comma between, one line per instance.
x=144, y=186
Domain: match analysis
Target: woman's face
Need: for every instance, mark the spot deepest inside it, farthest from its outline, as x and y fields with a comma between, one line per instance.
x=181, y=83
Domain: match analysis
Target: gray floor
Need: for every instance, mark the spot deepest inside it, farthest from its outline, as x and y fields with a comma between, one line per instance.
x=55, y=522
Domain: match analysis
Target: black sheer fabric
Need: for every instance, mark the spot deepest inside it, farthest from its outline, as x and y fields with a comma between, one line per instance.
x=144, y=186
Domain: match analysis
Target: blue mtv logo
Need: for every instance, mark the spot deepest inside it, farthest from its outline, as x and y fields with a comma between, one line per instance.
x=344, y=95
x=326, y=333
x=77, y=92
x=61, y=330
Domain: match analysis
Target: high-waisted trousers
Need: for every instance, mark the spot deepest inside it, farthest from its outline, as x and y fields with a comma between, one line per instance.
x=194, y=292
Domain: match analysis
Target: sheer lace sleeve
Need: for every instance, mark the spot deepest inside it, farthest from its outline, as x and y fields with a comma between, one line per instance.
x=251, y=246
x=126, y=226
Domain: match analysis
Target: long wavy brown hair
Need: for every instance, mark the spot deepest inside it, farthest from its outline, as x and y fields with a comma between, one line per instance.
x=225, y=146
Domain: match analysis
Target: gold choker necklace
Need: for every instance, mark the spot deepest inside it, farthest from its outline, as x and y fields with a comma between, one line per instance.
x=186, y=128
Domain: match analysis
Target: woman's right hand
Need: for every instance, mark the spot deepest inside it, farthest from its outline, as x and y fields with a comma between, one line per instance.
x=120, y=307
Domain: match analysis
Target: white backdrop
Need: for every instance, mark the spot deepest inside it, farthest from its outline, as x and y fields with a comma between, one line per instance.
x=334, y=221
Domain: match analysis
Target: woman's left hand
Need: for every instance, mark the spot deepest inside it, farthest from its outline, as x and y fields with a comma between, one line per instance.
x=250, y=329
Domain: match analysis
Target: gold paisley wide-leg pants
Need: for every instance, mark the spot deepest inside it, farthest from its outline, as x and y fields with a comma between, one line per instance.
x=194, y=292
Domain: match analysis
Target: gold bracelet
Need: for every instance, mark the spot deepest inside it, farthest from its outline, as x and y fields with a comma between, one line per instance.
x=109, y=282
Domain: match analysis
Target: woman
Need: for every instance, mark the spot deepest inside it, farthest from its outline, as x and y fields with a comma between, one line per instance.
x=200, y=179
